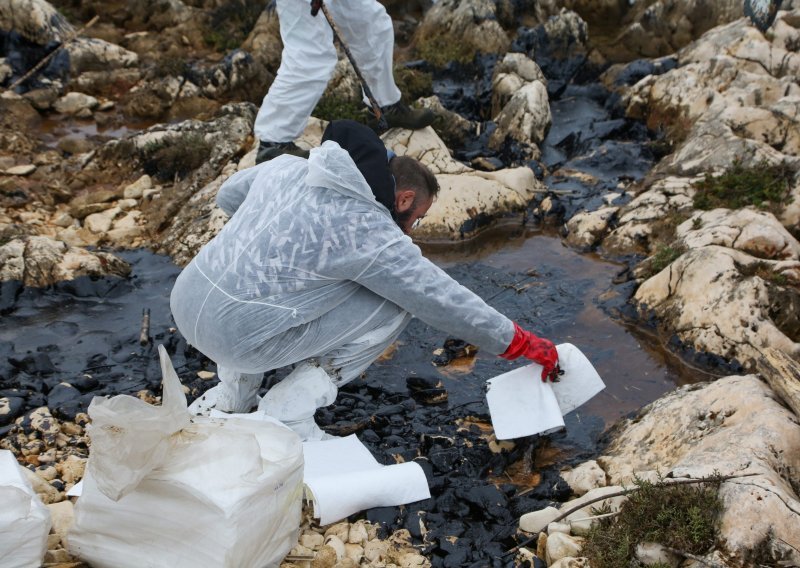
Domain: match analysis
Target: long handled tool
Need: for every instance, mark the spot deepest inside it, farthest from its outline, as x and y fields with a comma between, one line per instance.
x=316, y=6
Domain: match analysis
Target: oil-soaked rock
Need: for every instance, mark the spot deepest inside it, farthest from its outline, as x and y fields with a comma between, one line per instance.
x=36, y=20
x=10, y=408
x=452, y=349
x=718, y=300
x=471, y=25
x=35, y=364
x=40, y=261
x=426, y=391
x=559, y=47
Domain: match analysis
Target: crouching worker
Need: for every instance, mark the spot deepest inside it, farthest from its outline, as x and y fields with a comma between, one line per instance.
x=315, y=269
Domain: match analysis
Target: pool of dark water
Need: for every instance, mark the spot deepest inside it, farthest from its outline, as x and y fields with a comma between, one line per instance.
x=86, y=334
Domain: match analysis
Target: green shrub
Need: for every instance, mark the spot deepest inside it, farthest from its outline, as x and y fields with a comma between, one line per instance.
x=664, y=256
x=764, y=185
x=683, y=517
x=334, y=108
x=176, y=155
x=764, y=271
x=413, y=83
x=231, y=23
x=170, y=67
x=439, y=50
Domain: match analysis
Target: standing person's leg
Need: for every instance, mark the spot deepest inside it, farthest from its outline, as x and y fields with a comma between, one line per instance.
x=364, y=327
x=307, y=62
x=367, y=30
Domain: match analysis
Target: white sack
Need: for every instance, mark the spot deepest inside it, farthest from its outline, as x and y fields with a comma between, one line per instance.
x=227, y=493
x=130, y=437
x=24, y=520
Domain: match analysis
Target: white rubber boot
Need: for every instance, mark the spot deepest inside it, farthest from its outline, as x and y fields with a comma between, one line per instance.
x=236, y=392
x=294, y=400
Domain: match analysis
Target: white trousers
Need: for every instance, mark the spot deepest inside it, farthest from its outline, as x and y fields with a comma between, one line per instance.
x=341, y=344
x=309, y=57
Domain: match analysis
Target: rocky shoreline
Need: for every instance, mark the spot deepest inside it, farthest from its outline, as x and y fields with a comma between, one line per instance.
x=543, y=121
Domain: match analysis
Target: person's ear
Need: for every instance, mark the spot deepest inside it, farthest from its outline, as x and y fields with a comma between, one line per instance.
x=404, y=200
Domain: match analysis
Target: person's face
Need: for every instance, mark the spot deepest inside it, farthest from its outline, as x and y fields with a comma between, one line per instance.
x=410, y=210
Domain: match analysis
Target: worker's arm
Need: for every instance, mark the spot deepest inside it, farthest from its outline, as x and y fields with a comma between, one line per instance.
x=232, y=193
x=399, y=273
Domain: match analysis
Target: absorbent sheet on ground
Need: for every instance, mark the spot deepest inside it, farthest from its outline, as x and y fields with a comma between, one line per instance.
x=520, y=404
x=344, y=478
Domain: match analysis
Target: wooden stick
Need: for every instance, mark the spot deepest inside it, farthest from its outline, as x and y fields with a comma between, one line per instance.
x=144, y=333
x=694, y=557
x=782, y=373
x=50, y=55
x=376, y=109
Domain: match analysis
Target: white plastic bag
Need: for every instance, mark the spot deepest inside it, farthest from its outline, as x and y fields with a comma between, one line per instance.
x=24, y=520
x=130, y=437
x=226, y=493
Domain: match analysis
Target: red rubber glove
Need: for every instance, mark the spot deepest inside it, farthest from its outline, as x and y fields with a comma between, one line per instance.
x=542, y=351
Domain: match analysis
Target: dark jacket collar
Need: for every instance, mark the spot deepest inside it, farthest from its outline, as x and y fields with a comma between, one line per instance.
x=369, y=154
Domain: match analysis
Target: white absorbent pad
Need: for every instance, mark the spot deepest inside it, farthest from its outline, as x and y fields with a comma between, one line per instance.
x=344, y=478
x=520, y=404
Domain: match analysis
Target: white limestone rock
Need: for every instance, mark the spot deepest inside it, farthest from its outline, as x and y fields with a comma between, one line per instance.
x=757, y=233
x=571, y=562
x=41, y=261
x=536, y=521
x=21, y=170
x=710, y=304
x=75, y=103
x=510, y=74
x=585, y=477
x=587, y=228
x=135, y=189
x=560, y=545
x=649, y=553
x=35, y=20
x=101, y=222
x=525, y=118
x=581, y=520
x=89, y=54
x=635, y=220
x=734, y=425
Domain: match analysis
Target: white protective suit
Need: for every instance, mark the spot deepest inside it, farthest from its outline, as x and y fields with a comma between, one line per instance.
x=311, y=267
x=309, y=57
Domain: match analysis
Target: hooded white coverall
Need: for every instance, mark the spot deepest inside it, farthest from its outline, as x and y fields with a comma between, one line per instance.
x=309, y=57
x=311, y=267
